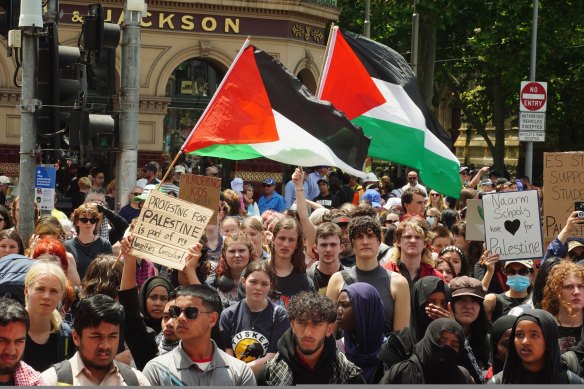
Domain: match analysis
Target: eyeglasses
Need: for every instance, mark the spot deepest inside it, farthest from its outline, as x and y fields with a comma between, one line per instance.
x=191, y=313
x=521, y=272
x=137, y=193
x=435, y=194
x=213, y=174
x=86, y=220
x=412, y=178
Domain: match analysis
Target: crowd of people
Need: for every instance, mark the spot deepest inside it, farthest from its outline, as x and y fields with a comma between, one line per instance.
x=334, y=281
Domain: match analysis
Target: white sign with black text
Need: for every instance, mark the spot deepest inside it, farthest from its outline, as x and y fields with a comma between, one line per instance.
x=513, y=225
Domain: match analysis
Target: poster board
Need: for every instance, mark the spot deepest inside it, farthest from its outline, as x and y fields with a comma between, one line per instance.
x=166, y=228
x=201, y=190
x=45, y=180
x=513, y=225
x=475, y=222
x=563, y=179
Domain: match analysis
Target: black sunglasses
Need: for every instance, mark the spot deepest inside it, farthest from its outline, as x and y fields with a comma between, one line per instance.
x=137, y=193
x=88, y=220
x=191, y=313
x=521, y=272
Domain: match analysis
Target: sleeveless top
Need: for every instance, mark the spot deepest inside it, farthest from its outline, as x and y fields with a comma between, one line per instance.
x=380, y=279
x=504, y=304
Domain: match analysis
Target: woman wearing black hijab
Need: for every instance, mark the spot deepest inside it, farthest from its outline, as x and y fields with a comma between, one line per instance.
x=430, y=300
x=533, y=356
x=500, y=333
x=153, y=297
x=435, y=359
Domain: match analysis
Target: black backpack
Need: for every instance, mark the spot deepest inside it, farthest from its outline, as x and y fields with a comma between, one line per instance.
x=65, y=374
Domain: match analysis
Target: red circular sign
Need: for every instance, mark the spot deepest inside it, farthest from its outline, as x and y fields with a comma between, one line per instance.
x=533, y=96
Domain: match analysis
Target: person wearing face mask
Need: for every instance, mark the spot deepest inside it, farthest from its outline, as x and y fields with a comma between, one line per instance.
x=519, y=274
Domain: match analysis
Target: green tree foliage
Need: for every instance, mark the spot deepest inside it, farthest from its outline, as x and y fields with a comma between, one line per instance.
x=483, y=53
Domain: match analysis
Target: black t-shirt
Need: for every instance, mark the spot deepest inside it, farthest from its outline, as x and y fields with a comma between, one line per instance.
x=291, y=285
x=42, y=356
x=330, y=201
x=568, y=337
x=85, y=254
x=251, y=335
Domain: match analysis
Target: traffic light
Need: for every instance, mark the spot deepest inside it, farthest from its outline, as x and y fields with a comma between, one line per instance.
x=94, y=132
x=98, y=35
x=62, y=86
x=9, y=14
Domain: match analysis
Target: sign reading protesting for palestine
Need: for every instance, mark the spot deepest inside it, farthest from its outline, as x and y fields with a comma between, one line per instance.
x=513, y=224
x=167, y=227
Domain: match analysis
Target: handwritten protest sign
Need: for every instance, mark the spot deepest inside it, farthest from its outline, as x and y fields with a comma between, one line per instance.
x=563, y=178
x=202, y=190
x=166, y=228
x=475, y=222
x=513, y=224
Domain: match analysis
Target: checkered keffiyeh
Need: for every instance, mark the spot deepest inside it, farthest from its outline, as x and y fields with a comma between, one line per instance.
x=104, y=229
x=27, y=376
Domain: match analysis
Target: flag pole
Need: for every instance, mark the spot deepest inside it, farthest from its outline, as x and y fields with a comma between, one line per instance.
x=169, y=168
x=326, y=53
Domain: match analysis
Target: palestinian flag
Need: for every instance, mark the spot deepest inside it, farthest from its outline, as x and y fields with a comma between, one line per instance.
x=375, y=87
x=261, y=110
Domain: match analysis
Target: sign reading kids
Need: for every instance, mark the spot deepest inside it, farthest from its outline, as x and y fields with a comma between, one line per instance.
x=513, y=225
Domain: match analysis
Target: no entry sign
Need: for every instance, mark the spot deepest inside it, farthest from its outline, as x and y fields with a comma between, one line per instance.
x=533, y=96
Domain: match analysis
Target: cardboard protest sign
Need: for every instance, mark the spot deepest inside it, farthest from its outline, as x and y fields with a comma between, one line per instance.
x=475, y=221
x=202, y=190
x=513, y=224
x=166, y=228
x=563, y=178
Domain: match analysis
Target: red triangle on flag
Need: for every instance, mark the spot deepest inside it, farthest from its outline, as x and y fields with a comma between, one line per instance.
x=239, y=113
x=348, y=83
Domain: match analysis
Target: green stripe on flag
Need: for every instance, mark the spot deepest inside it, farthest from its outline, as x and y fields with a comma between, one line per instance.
x=441, y=174
x=234, y=152
x=392, y=141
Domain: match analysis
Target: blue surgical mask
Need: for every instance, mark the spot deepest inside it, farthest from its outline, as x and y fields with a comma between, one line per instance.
x=430, y=220
x=518, y=283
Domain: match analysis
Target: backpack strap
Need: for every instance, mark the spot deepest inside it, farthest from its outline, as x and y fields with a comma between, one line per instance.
x=64, y=372
x=347, y=277
x=128, y=375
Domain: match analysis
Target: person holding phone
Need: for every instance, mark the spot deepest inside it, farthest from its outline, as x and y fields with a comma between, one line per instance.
x=570, y=241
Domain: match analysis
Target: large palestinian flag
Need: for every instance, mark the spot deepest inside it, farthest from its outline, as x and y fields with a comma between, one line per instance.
x=375, y=87
x=261, y=110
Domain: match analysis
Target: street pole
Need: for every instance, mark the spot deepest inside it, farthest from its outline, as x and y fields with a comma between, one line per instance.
x=127, y=158
x=367, y=22
x=532, y=67
x=28, y=128
x=53, y=11
x=415, y=39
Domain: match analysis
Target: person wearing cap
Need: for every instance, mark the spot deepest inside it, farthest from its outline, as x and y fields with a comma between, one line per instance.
x=271, y=200
x=569, y=242
x=325, y=197
x=468, y=295
x=373, y=196
x=413, y=183
x=486, y=186
x=149, y=174
x=312, y=180
x=519, y=274
x=502, y=185
x=4, y=185
x=466, y=174
x=131, y=210
x=179, y=170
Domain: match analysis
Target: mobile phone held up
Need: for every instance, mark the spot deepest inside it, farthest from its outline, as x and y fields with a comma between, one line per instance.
x=579, y=207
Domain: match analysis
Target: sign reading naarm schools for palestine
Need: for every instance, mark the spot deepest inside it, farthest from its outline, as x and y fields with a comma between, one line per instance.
x=513, y=224
x=167, y=227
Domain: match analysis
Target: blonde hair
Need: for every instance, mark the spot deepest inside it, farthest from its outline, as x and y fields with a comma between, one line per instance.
x=419, y=225
x=37, y=270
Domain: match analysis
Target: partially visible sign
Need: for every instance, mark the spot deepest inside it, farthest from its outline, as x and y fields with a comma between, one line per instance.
x=475, y=221
x=44, y=187
x=202, y=190
x=563, y=177
x=166, y=228
x=513, y=225
x=532, y=126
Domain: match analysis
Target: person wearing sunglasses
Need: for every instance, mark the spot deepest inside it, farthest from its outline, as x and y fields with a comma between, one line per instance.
x=87, y=245
x=197, y=361
x=519, y=276
x=132, y=210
